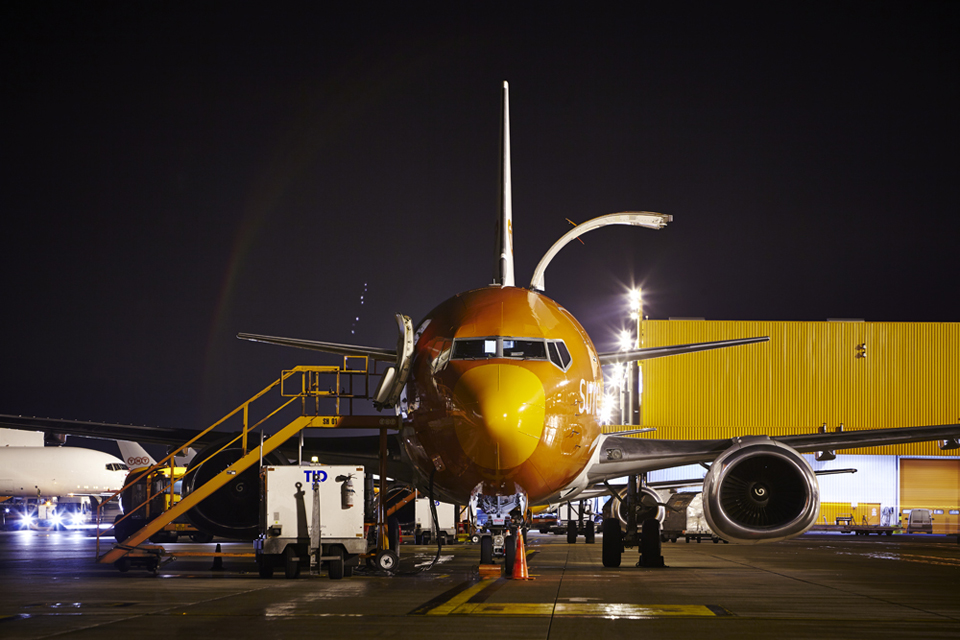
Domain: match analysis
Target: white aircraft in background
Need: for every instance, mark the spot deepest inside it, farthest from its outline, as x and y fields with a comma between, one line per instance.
x=31, y=470
x=53, y=486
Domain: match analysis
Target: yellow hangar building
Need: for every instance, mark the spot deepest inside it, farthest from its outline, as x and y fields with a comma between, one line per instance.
x=820, y=375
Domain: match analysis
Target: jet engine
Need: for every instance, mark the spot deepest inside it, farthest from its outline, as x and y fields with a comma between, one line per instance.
x=649, y=506
x=234, y=510
x=760, y=490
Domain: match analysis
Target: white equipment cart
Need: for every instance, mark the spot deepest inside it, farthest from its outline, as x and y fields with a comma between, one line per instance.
x=310, y=516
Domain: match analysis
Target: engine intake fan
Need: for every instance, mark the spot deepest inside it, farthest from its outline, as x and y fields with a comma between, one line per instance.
x=760, y=490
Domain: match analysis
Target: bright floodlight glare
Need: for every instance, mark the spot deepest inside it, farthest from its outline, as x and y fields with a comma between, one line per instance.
x=616, y=374
x=77, y=519
x=626, y=340
x=606, y=409
x=634, y=297
x=27, y=521
x=56, y=519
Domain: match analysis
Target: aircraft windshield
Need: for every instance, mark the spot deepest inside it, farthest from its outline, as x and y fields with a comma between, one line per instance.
x=513, y=348
x=475, y=348
x=525, y=349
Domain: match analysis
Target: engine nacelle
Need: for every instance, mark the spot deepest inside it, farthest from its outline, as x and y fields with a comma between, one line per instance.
x=649, y=506
x=760, y=490
x=233, y=511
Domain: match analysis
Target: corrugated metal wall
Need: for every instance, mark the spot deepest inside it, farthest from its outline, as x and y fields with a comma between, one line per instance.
x=908, y=374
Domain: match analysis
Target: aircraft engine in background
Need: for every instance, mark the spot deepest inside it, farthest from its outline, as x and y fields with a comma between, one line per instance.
x=760, y=490
x=234, y=510
x=649, y=507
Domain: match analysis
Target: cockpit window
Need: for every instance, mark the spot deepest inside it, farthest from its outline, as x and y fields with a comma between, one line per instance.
x=116, y=466
x=513, y=348
x=559, y=354
x=475, y=348
x=525, y=349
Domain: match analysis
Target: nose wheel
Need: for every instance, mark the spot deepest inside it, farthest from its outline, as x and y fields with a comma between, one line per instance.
x=486, y=549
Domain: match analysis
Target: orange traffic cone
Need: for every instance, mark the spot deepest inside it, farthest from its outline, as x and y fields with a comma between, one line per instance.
x=520, y=563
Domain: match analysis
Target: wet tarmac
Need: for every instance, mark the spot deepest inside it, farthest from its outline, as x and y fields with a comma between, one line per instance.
x=816, y=585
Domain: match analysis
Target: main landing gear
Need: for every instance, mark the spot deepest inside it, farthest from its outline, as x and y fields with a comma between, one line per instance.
x=616, y=541
x=582, y=524
x=645, y=537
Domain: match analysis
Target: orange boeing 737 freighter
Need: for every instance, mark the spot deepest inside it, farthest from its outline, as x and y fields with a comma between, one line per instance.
x=497, y=392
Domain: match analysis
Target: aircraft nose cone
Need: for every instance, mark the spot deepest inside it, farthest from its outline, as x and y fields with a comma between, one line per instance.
x=504, y=412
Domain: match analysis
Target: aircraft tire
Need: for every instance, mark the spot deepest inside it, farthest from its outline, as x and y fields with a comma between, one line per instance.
x=590, y=535
x=650, y=543
x=571, y=532
x=612, y=542
x=509, y=554
x=125, y=529
x=486, y=550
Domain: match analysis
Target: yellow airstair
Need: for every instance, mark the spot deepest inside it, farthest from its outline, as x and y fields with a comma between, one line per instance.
x=319, y=387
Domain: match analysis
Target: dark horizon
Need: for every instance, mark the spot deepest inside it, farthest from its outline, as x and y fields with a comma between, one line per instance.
x=178, y=174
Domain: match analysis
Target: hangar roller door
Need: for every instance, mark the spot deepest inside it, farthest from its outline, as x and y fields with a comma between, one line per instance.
x=934, y=485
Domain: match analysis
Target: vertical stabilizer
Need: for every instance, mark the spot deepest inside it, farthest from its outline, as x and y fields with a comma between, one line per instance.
x=134, y=455
x=503, y=271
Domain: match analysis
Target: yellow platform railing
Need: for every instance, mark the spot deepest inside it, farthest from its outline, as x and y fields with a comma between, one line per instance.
x=309, y=392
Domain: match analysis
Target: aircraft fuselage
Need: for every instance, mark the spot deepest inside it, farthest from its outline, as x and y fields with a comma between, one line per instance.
x=503, y=395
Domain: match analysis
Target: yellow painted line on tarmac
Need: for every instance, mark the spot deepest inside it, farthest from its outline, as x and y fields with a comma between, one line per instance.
x=450, y=605
x=504, y=609
x=622, y=610
x=575, y=609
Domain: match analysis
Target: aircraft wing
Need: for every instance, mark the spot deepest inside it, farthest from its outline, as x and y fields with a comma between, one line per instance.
x=377, y=353
x=104, y=430
x=618, y=456
x=333, y=449
x=614, y=357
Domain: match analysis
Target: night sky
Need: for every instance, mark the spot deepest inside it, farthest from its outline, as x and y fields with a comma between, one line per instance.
x=175, y=174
